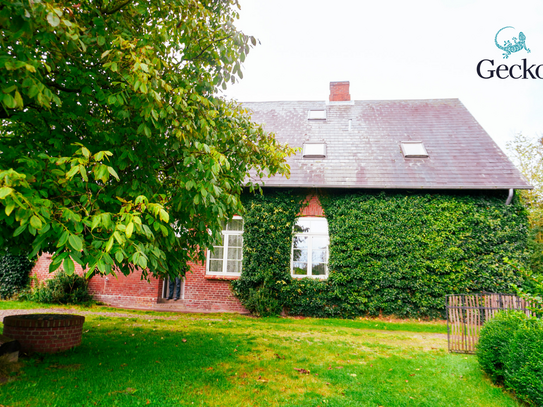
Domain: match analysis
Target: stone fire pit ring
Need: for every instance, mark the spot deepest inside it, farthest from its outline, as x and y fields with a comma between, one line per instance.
x=47, y=333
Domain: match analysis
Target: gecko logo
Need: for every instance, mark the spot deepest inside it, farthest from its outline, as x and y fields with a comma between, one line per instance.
x=485, y=67
x=517, y=45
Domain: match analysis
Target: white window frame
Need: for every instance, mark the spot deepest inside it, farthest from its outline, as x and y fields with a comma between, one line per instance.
x=314, y=150
x=413, y=149
x=225, y=234
x=310, y=250
x=316, y=114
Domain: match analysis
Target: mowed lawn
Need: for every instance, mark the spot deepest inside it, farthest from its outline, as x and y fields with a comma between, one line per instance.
x=160, y=359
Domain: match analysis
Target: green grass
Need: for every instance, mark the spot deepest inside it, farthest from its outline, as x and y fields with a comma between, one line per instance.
x=232, y=360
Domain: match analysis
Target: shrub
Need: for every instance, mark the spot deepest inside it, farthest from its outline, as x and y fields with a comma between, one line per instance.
x=524, y=363
x=14, y=274
x=62, y=289
x=494, y=340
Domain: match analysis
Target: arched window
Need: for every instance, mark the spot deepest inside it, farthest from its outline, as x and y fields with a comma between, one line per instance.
x=310, y=248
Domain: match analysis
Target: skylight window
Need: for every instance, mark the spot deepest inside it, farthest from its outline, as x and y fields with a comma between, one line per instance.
x=317, y=115
x=413, y=149
x=314, y=150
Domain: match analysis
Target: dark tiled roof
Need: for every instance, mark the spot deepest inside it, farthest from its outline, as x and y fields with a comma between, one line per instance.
x=368, y=155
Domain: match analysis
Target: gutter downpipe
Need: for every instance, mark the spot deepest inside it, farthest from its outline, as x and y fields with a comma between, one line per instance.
x=510, y=197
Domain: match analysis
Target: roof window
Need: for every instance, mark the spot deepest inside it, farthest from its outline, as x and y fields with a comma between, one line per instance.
x=316, y=115
x=413, y=149
x=314, y=150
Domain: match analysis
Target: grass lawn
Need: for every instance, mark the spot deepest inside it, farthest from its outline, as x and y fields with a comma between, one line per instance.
x=233, y=360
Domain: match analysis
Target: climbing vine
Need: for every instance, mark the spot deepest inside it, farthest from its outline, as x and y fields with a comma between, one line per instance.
x=390, y=252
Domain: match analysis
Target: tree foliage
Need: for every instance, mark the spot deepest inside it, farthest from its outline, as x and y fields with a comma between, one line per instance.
x=527, y=154
x=115, y=148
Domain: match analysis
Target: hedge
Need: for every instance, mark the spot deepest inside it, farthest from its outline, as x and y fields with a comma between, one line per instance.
x=14, y=274
x=510, y=351
x=396, y=252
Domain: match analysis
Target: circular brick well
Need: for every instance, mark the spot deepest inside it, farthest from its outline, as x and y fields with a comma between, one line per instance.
x=48, y=333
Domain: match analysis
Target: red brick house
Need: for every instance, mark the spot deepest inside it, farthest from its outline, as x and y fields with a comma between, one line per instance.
x=393, y=144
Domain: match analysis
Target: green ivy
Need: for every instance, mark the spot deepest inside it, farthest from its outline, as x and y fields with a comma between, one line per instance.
x=390, y=252
x=14, y=274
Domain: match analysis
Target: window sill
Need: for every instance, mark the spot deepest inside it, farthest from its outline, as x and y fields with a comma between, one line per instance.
x=219, y=277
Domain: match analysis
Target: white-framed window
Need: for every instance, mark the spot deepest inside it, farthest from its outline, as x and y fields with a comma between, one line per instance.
x=316, y=115
x=413, y=149
x=310, y=243
x=314, y=150
x=226, y=256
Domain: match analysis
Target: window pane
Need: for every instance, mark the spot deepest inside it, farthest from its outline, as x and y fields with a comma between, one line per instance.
x=299, y=268
x=216, y=253
x=318, y=262
x=235, y=224
x=233, y=266
x=320, y=243
x=215, y=266
x=319, y=269
x=318, y=256
x=319, y=226
x=299, y=255
x=234, y=254
x=301, y=242
x=302, y=226
x=235, y=241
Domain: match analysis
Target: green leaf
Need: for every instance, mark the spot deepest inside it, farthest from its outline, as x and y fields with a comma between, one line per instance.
x=129, y=230
x=119, y=256
x=19, y=230
x=142, y=262
x=9, y=208
x=164, y=216
x=75, y=242
x=63, y=239
x=68, y=266
x=35, y=222
x=5, y=191
x=113, y=173
x=53, y=19
x=95, y=221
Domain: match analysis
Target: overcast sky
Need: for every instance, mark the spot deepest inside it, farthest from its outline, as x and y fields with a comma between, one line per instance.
x=396, y=49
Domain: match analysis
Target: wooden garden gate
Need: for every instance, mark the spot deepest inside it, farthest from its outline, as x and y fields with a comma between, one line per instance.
x=466, y=314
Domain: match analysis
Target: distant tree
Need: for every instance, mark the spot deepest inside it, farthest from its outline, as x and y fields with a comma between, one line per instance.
x=115, y=148
x=527, y=154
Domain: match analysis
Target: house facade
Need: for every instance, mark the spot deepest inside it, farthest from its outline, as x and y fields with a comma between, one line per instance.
x=421, y=150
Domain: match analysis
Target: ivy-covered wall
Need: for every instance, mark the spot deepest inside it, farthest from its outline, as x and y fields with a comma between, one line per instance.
x=390, y=252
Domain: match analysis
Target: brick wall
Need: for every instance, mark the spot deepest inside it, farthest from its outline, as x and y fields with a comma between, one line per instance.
x=126, y=291
x=47, y=333
x=201, y=292
x=41, y=269
x=210, y=293
x=313, y=207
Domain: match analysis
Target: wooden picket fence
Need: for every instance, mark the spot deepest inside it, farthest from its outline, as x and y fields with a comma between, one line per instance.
x=466, y=314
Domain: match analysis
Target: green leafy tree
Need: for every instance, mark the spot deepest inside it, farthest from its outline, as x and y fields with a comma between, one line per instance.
x=527, y=154
x=116, y=151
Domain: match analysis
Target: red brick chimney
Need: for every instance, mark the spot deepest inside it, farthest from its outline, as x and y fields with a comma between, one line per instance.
x=339, y=91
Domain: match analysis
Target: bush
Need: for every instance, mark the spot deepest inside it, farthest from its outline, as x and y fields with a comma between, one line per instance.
x=14, y=274
x=62, y=289
x=524, y=363
x=494, y=340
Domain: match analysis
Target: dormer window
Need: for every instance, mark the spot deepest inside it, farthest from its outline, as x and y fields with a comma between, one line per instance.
x=314, y=150
x=317, y=115
x=413, y=149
